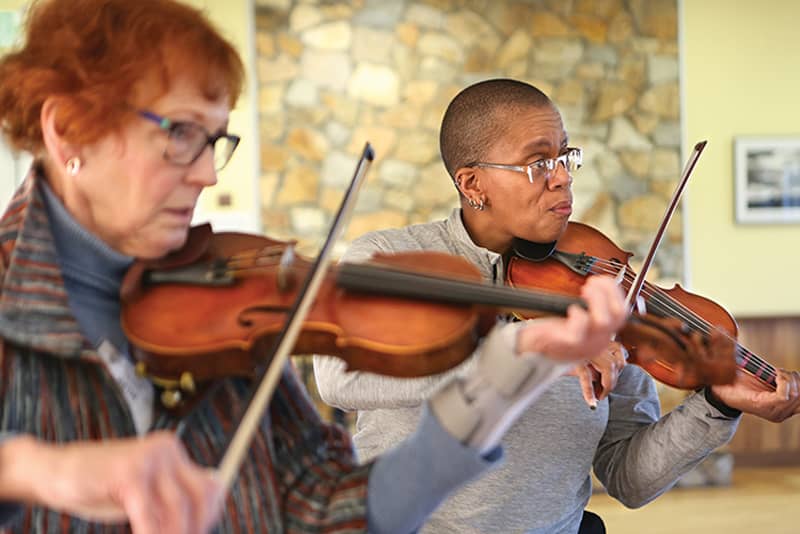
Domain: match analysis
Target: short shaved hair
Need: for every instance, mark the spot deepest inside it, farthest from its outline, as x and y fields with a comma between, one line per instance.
x=475, y=118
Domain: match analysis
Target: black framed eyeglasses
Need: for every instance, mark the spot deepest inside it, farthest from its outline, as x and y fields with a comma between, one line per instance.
x=571, y=159
x=186, y=141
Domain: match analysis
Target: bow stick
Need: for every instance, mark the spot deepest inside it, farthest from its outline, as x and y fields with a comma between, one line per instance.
x=240, y=441
x=631, y=298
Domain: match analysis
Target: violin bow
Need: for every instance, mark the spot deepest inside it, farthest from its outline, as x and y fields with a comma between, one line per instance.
x=631, y=299
x=239, y=443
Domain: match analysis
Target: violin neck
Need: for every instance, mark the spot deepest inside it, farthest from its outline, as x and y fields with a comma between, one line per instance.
x=753, y=365
x=370, y=278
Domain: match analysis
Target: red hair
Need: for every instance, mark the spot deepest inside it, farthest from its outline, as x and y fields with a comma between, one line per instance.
x=99, y=57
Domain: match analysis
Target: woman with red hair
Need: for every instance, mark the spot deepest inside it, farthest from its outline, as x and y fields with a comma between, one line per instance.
x=124, y=106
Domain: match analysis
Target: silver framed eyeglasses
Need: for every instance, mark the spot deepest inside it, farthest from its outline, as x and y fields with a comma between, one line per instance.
x=571, y=159
x=186, y=141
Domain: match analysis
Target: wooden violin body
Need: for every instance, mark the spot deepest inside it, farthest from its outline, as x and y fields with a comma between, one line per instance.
x=582, y=251
x=223, y=327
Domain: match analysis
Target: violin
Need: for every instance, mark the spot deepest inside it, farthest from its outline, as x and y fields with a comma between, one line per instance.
x=583, y=251
x=212, y=309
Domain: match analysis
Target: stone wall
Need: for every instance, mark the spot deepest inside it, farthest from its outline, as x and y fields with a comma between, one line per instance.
x=333, y=75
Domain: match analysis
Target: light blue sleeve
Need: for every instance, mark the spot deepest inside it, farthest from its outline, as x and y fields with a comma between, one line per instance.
x=8, y=510
x=409, y=482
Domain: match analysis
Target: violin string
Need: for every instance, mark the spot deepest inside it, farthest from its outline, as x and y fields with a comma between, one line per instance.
x=749, y=361
x=676, y=309
x=665, y=302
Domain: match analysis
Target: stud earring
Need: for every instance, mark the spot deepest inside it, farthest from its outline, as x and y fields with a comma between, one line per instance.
x=73, y=165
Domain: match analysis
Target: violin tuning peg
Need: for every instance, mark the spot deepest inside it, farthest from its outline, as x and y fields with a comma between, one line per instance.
x=170, y=398
x=141, y=369
x=187, y=382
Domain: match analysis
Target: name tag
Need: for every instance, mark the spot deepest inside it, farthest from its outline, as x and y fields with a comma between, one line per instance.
x=138, y=391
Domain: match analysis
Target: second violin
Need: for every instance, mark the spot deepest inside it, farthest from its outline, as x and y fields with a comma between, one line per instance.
x=583, y=251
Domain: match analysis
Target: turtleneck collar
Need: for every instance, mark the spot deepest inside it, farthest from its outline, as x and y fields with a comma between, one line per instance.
x=85, y=259
x=92, y=273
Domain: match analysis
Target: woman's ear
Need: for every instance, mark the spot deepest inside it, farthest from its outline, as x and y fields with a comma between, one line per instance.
x=465, y=181
x=59, y=151
x=469, y=184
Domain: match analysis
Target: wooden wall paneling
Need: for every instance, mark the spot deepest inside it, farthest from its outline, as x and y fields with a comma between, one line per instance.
x=759, y=442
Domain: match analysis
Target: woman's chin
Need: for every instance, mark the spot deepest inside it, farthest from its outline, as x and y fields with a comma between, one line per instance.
x=543, y=235
x=173, y=244
x=159, y=247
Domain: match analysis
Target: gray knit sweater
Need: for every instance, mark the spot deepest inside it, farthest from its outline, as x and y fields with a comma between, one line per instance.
x=545, y=481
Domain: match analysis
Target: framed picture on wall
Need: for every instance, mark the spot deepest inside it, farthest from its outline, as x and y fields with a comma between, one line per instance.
x=767, y=172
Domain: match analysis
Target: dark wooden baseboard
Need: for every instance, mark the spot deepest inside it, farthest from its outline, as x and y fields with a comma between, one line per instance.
x=767, y=459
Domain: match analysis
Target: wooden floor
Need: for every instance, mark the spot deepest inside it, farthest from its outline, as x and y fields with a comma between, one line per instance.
x=759, y=501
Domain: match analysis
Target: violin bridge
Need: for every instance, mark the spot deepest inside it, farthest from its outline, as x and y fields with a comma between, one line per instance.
x=641, y=305
x=620, y=275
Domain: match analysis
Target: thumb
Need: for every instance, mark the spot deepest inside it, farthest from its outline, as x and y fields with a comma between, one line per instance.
x=215, y=500
x=585, y=377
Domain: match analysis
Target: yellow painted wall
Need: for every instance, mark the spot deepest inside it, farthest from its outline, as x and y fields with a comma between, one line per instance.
x=741, y=78
x=239, y=179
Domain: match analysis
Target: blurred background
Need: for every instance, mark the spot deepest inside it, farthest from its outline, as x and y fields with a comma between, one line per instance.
x=638, y=82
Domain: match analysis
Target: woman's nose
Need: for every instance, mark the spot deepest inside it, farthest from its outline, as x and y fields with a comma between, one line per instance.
x=559, y=177
x=203, y=171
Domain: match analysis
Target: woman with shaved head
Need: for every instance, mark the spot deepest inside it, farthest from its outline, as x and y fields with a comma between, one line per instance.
x=505, y=147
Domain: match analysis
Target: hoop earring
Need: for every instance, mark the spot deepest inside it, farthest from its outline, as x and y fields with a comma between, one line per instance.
x=479, y=206
x=73, y=165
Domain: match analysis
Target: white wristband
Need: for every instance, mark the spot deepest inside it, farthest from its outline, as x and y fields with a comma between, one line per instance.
x=479, y=409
